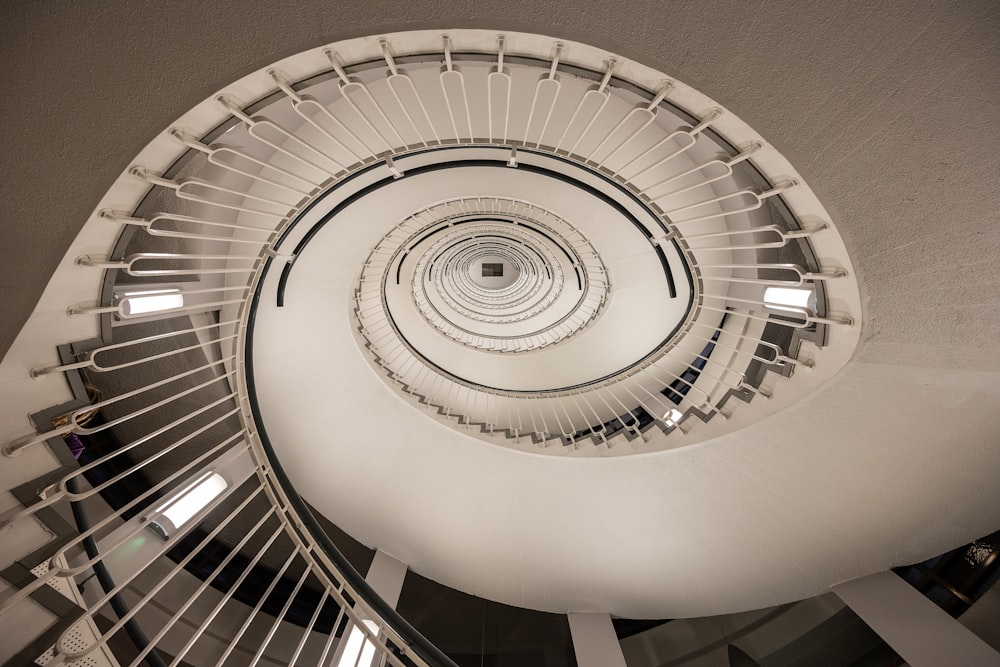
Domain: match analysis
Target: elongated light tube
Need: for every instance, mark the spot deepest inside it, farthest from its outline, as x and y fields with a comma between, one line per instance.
x=180, y=508
x=151, y=301
x=790, y=299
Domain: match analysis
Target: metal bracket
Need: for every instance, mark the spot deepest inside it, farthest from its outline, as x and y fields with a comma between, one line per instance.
x=512, y=160
x=396, y=173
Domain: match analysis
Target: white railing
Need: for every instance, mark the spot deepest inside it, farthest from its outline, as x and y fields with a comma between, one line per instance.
x=438, y=287
x=236, y=180
x=226, y=435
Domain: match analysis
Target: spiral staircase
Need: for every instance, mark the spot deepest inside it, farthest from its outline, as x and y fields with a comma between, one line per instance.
x=549, y=251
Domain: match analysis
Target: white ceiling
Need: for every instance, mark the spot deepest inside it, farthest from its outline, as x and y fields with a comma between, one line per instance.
x=890, y=111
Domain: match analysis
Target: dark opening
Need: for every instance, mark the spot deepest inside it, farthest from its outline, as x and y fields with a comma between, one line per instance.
x=492, y=270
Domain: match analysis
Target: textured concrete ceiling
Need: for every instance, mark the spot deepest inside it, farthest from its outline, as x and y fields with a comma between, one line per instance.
x=891, y=111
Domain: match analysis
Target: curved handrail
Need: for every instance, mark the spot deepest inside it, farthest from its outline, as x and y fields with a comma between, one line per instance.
x=303, y=180
x=425, y=649
x=107, y=582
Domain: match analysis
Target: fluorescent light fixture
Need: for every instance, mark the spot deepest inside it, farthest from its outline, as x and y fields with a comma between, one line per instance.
x=790, y=299
x=673, y=417
x=359, y=651
x=151, y=301
x=193, y=498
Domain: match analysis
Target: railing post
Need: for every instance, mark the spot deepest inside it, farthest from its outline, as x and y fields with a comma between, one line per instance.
x=594, y=640
x=385, y=576
x=918, y=630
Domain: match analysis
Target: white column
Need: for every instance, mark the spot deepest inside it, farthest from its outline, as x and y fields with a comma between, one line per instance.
x=918, y=630
x=594, y=641
x=385, y=576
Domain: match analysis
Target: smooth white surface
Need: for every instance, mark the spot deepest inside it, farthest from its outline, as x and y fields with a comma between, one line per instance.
x=386, y=575
x=918, y=630
x=594, y=641
x=777, y=511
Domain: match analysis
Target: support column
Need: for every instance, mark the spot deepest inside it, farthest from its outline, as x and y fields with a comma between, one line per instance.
x=917, y=629
x=594, y=640
x=385, y=576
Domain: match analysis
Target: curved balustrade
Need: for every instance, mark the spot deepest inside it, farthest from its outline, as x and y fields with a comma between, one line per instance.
x=311, y=136
x=442, y=244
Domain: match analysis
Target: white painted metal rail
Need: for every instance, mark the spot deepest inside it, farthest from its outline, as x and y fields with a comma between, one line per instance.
x=240, y=172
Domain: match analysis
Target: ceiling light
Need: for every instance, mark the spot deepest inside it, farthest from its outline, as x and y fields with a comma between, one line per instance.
x=195, y=497
x=151, y=301
x=790, y=299
x=673, y=417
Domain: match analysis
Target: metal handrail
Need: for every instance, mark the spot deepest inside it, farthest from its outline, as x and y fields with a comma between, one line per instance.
x=427, y=651
x=258, y=214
